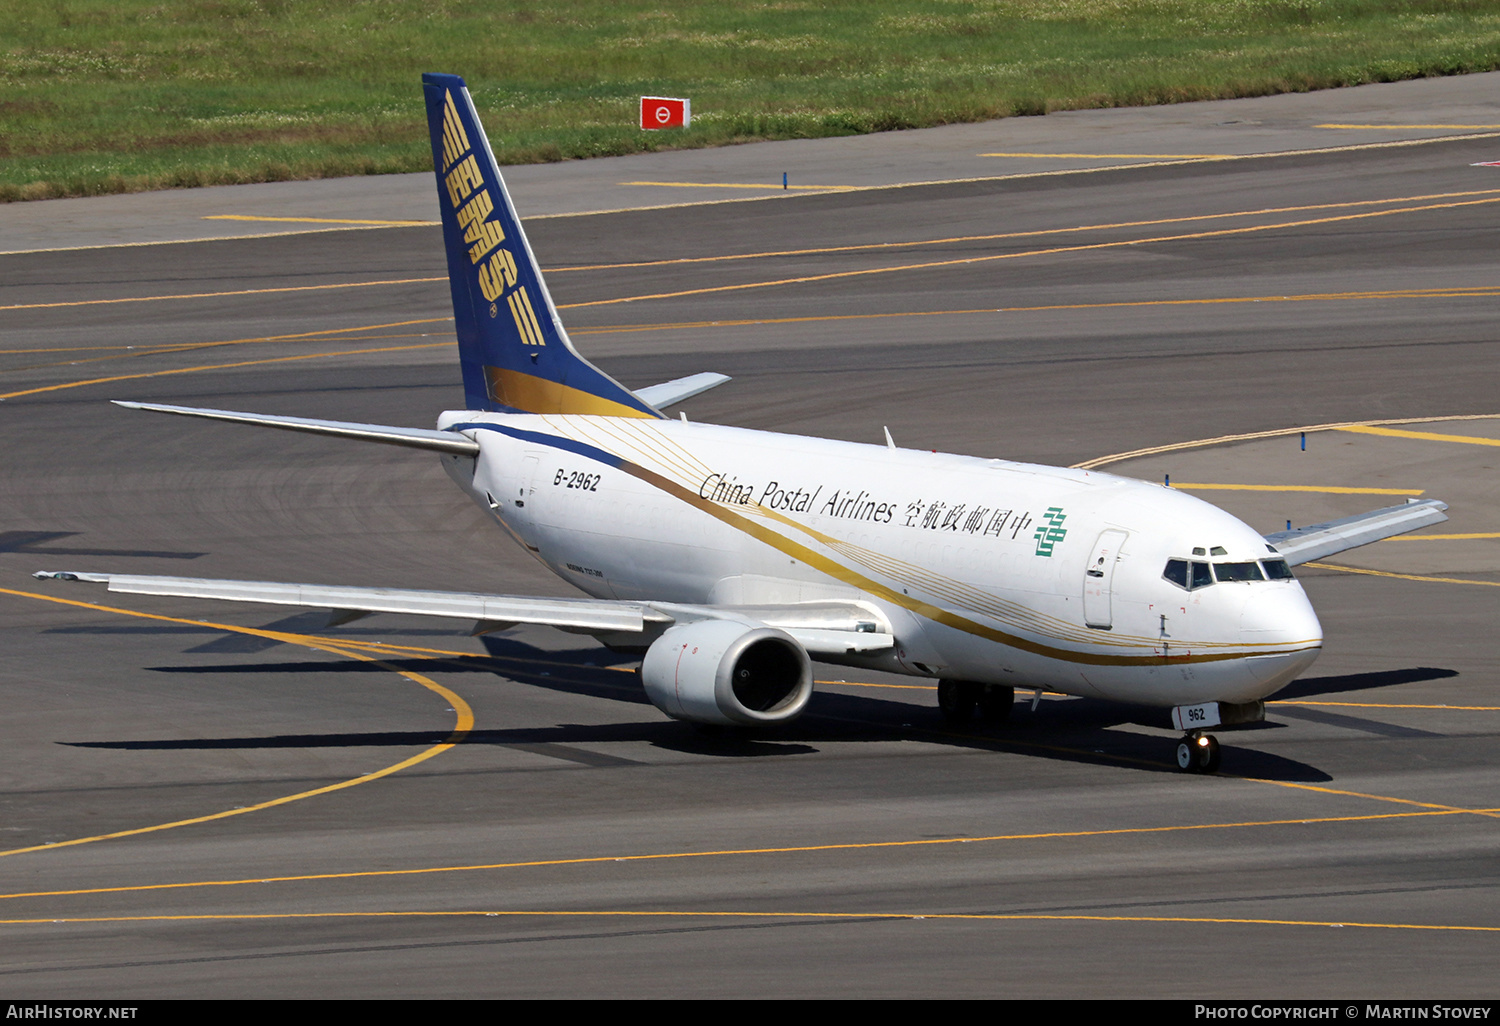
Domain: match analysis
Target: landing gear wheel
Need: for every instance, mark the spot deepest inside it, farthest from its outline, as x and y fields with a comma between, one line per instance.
x=1198, y=753
x=957, y=699
x=1208, y=755
x=996, y=702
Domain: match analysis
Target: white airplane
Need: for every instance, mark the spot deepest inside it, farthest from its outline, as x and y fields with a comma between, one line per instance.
x=730, y=558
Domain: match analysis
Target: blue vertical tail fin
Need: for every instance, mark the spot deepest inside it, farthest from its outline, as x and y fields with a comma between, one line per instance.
x=515, y=354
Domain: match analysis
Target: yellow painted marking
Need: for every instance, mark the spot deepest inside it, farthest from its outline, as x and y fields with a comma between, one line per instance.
x=1122, y=156
x=1454, y=293
x=219, y=366
x=1395, y=293
x=1051, y=251
x=742, y=185
x=232, y=292
x=172, y=347
x=1053, y=173
x=1384, y=127
x=1107, y=226
x=1426, y=436
x=187, y=347
x=1388, y=705
x=1201, y=443
x=762, y=915
x=867, y=684
x=320, y=220
x=736, y=852
x=1331, y=489
x=463, y=720
x=1404, y=577
x=1444, y=537
x=1378, y=797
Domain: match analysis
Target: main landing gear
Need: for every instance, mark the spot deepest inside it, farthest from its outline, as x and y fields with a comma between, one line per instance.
x=1198, y=753
x=958, y=700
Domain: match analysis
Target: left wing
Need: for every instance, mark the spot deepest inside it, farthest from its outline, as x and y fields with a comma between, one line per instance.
x=414, y=438
x=1302, y=544
x=823, y=628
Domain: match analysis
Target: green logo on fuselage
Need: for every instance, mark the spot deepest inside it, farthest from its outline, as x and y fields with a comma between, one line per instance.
x=1050, y=533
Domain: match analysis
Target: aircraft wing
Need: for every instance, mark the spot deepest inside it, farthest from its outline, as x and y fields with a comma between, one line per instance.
x=1302, y=544
x=415, y=438
x=823, y=628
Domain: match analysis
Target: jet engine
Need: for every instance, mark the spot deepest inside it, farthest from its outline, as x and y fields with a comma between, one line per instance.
x=728, y=672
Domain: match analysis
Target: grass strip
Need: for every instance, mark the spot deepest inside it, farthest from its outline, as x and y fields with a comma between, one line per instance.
x=103, y=96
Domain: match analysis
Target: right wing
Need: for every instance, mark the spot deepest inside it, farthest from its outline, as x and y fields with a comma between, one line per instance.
x=1302, y=544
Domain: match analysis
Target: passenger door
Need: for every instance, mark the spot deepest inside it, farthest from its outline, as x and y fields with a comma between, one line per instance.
x=1097, y=578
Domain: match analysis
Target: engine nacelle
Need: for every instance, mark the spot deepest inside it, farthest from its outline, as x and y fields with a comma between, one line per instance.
x=728, y=672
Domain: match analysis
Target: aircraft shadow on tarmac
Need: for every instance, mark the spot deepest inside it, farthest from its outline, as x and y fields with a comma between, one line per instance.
x=1071, y=730
x=35, y=543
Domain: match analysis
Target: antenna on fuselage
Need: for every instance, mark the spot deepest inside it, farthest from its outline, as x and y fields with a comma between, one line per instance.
x=889, y=444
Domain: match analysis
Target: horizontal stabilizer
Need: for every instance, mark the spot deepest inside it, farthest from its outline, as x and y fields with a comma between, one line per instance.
x=675, y=391
x=1302, y=544
x=413, y=438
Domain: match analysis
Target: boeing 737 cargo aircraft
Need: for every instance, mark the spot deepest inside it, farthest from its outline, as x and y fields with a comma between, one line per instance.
x=731, y=558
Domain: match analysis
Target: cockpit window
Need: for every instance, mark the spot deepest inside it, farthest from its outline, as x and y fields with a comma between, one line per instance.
x=1188, y=575
x=1277, y=570
x=1238, y=572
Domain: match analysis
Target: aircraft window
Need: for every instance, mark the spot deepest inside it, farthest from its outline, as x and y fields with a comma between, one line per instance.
x=1218, y=550
x=1238, y=572
x=1201, y=577
x=1177, y=572
x=1199, y=551
x=1277, y=570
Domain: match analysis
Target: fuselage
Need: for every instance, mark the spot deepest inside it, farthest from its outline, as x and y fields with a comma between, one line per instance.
x=982, y=569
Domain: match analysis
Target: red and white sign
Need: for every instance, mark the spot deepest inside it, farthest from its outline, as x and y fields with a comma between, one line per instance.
x=665, y=112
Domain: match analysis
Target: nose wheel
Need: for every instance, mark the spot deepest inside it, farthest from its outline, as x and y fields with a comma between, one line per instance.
x=1198, y=753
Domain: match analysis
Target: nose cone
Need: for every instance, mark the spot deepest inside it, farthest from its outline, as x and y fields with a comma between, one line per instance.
x=1279, y=616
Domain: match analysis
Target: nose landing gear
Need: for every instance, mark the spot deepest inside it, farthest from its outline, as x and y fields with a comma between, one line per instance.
x=1198, y=753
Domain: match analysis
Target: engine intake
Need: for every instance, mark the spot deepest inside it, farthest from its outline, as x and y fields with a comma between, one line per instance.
x=728, y=672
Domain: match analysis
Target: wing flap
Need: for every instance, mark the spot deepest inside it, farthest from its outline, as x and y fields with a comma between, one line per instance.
x=1303, y=544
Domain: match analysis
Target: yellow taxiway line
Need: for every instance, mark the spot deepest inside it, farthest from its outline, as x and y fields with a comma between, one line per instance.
x=757, y=915
x=320, y=220
x=926, y=842
x=1426, y=436
x=743, y=185
x=1329, y=489
x=1403, y=577
x=463, y=721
